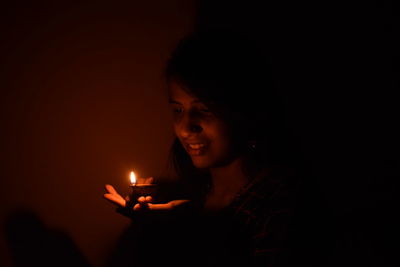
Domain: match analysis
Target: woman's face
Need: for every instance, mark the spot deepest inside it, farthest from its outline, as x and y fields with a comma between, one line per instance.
x=205, y=137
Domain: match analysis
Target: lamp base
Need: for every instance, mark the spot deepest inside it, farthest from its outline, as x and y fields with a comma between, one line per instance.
x=140, y=190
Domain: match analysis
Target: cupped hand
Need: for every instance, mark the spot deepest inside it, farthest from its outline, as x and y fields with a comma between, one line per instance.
x=144, y=202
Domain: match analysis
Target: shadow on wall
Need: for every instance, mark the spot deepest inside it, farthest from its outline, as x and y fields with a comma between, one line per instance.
x=32, y=243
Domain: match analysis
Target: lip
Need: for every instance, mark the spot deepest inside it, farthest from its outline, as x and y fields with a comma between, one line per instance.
x=198, y=149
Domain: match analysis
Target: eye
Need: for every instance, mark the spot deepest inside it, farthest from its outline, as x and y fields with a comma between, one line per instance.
x=205, y=111
x=177, y=110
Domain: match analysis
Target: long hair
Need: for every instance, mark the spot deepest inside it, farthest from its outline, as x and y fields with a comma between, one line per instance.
x=231, y=74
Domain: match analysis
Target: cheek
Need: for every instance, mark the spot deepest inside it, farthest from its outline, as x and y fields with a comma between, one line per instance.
x=175, y=128
x=222, y=141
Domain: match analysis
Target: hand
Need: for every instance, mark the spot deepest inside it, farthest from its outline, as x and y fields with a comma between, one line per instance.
x=114, y=197
x=144, y=202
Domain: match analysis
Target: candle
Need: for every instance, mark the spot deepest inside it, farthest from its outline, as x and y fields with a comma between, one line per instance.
x=138, y=190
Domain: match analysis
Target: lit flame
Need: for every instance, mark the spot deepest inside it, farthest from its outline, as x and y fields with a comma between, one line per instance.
x=133, y=178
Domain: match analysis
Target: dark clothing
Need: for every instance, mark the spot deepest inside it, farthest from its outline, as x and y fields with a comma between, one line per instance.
x=254, y=230
x=262, y=212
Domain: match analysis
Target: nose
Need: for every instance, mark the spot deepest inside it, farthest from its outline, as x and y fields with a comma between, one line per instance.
x=188, y=125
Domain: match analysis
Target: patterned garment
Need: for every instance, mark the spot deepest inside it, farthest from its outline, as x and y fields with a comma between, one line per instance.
x=252, y=231
x=263, y=211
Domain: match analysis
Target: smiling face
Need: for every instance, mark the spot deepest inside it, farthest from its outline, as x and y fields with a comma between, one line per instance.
x=205, y=137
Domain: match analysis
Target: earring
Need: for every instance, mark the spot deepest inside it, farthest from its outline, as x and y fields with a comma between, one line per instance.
x=252, y=144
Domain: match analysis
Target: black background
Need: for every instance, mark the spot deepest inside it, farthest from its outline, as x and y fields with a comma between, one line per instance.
x=338, y=67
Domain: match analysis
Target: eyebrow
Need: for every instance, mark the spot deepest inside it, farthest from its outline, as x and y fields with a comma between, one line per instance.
x=172, y=101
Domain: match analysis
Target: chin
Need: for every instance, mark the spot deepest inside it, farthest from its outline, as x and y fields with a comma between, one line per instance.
x=201, y=163
x=208, y=162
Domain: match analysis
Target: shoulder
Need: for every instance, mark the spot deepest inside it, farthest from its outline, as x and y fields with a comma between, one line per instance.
x=274, y=190
x=265, y=211
x=266, y=206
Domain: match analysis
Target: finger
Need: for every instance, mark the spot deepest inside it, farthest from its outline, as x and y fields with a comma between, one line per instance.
x=110, y=189
x=140, y=206
x=149, y=199
x=118, y=200
x=167, y=206
x=178, y=202
x=142, y=199
x=149, y=180
x=117, y=197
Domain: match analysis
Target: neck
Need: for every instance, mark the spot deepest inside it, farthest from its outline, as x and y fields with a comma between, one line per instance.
x=227, y=181
x=228, y=176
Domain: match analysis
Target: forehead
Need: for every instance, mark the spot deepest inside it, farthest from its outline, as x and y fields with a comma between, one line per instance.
x=178, y=93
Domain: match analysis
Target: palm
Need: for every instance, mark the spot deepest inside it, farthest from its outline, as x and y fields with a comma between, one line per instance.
x=143, y=202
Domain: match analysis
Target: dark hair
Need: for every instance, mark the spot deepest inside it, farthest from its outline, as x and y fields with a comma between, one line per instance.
x=232, y=75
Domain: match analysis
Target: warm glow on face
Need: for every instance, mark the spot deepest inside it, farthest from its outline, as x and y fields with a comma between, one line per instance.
x=133, y=178
x=206, y=138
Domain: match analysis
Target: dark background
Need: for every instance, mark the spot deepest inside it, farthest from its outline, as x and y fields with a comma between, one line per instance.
x=82, y=103
x=338, y=68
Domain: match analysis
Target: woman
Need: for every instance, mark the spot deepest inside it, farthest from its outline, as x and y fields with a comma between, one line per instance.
x=234, y=157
